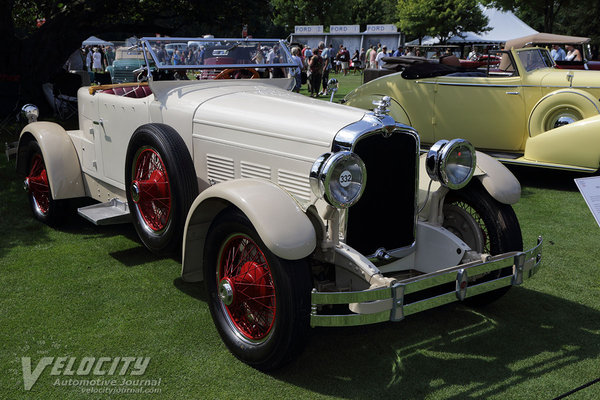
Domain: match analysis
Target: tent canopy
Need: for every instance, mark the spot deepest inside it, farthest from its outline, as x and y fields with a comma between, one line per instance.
x=545, y=38
x=504, y=26
x=94, y=41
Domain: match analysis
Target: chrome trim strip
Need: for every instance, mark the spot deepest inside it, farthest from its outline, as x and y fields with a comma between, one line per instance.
x=504, y=86
x=468, y=84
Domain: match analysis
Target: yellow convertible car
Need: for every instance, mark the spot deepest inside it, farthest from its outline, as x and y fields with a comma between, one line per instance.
x=522, y=111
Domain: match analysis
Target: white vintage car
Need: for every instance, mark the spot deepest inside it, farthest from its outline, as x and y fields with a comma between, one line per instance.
x=267, y=193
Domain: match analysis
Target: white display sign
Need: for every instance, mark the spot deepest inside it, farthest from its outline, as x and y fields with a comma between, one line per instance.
x=590, y=189
x=308, y=29
x=382, y=28
x=344, y=28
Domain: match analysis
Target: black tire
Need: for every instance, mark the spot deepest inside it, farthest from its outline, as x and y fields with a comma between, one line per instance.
x=43, y=206
x=161, y=185
x=487, y=226
x=264, y=335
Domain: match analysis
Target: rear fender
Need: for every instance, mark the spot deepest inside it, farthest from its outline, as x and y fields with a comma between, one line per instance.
x=576, y=144
x=62, y=163
x=279, y=221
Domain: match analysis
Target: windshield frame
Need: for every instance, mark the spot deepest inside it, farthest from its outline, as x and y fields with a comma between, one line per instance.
x=544, y=56
x=146, y=43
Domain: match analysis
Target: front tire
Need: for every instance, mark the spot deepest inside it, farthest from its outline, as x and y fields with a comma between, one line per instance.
x=161, y=185
x=260, y=303
x=43, y=206
x=487, y=226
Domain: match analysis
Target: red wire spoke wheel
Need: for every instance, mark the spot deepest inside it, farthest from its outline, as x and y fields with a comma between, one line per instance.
x=161, y=184
x=37, y=183
x=259, y=302
x=151, y=191
x=246, y=287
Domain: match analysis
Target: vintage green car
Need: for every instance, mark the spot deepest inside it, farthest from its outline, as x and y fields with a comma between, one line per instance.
x=523, y=111
x=127, y=61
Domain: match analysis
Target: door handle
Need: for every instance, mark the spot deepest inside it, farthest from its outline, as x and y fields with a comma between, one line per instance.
x=513, y=93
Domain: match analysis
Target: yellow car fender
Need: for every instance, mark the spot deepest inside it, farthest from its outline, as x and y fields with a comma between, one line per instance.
x=62, y=163
x=576, y=144
x=574, y=103
x=279, y=221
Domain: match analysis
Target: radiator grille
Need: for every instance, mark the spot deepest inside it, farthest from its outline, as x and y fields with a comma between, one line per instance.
x=385, y=214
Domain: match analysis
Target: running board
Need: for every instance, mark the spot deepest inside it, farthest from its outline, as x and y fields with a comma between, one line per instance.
x=111, y=212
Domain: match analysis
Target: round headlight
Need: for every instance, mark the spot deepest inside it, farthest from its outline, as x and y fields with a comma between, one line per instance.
x=452, y=163
x=339, y=178
x=30, y=113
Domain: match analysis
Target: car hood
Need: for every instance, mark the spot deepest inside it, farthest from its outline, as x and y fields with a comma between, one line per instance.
x=264, y=110
x=560, y=77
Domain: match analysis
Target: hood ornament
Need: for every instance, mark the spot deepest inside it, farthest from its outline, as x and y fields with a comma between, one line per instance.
x=383, y=106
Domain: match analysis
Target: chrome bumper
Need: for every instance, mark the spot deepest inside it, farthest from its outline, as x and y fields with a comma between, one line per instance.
x=524, y=264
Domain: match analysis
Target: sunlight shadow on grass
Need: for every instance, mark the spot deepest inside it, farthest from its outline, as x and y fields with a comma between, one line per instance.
x=453, y=352
x=136, y=256
x=197, y=290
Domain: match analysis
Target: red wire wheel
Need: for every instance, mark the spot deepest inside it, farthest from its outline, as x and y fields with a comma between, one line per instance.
x=245, y=287
x=150, y=189
x=37, y=183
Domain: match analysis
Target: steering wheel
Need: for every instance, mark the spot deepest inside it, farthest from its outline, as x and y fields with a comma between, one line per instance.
x=238, y=73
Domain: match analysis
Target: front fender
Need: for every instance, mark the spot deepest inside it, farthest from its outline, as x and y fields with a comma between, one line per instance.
x=281, y=224
x=497, y=180
x=62, y=163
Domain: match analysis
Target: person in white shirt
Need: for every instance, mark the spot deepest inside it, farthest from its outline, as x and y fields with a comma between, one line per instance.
x=380, y=55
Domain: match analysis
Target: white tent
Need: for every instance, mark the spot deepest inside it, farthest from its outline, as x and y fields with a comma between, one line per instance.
x=504, y=26
x=94, y=41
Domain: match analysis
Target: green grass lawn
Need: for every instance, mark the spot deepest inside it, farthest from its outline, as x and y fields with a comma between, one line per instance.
x=88, y=291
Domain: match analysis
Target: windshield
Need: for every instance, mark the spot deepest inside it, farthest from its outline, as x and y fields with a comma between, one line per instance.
x=535, y=58
x=200, y=58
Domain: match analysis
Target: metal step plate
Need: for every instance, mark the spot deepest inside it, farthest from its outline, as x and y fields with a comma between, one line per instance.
x=111, y=212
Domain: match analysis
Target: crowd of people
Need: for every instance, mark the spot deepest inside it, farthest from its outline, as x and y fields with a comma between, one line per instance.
x=91, y=58
x=316, y=64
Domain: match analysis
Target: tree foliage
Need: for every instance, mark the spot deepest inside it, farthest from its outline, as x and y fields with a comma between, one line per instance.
x=440, y=18
x=288, y=13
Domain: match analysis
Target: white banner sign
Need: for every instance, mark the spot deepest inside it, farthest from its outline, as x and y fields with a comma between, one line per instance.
x=344, y=28
x=308, y=29
x=382, y=28
x=590, y=189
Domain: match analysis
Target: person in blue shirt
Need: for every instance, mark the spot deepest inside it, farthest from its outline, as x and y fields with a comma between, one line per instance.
x=557, y=53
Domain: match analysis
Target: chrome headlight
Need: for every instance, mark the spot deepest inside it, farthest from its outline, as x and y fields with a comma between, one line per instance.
x=30, y=113
x=339, y=178
x=452, y=163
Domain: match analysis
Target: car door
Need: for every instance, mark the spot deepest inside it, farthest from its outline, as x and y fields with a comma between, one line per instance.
x=119, y=116
x=487, y=111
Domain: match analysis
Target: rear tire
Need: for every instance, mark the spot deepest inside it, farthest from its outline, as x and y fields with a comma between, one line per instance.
x=487, y=226
x=43, y=206
x=260, y=303
x=161, y=185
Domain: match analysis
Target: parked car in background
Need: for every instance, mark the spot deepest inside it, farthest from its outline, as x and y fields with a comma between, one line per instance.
x=523, y=111
x=548, y=39
x=293, y=211
x=127, y=60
